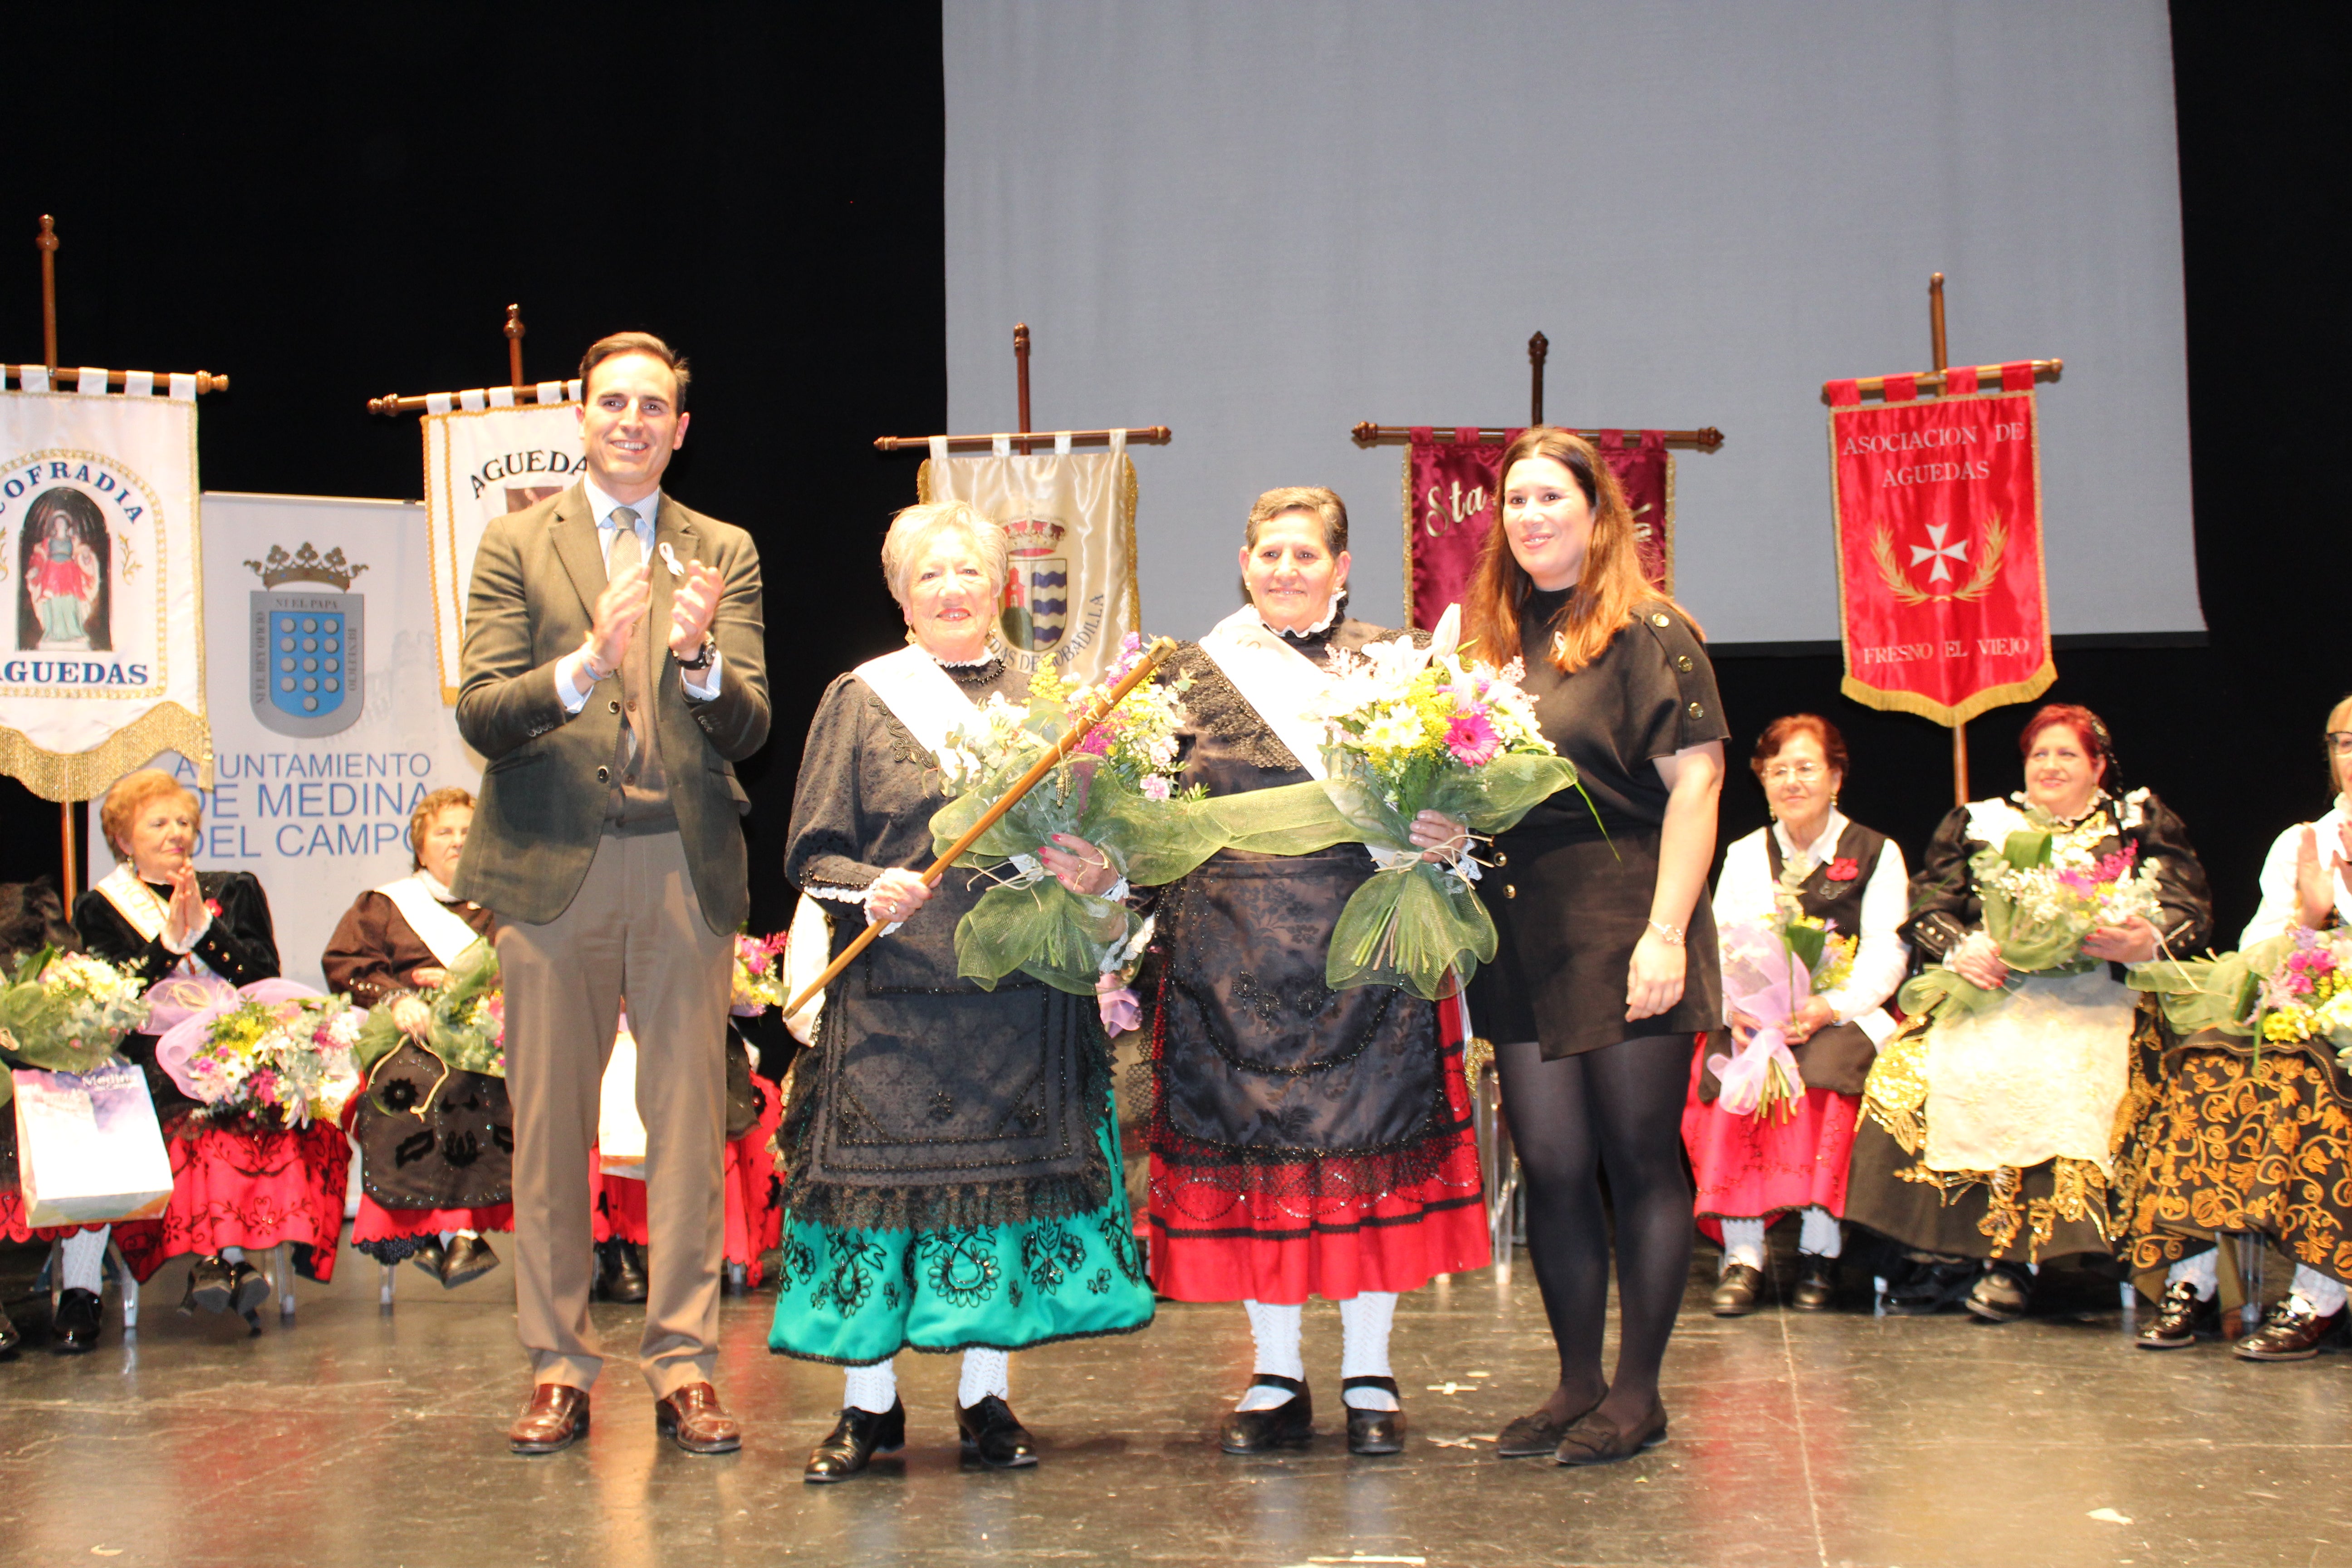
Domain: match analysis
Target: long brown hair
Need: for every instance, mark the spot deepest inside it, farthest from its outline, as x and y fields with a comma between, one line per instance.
x=1607, y=589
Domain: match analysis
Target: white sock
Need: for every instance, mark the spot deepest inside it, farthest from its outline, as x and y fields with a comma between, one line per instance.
x=1276, y=1330
x=1743, y=1242
x=1364, y=1324
x=84, y=1259
x=2202, y=1271
x=1820, y=1233
x=2318, y=1291
x=873, y=1388
x=233, y=1253
x=983, y=1375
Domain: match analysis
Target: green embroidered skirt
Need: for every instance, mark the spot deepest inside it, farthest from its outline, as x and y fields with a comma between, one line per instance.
x=859, y=1296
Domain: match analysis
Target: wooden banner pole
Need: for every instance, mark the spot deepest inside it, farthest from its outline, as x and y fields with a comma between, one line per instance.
x=1020, y=368
x=1936, y=335
x=514, y=330
x=1072, y=738
x=1539, y=351
x=45, y=242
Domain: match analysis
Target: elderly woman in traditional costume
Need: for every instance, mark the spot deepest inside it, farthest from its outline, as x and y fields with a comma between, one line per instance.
x=952, y=1161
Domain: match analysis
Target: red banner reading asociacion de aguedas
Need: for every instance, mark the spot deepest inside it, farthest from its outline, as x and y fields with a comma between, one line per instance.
x=1938, y=507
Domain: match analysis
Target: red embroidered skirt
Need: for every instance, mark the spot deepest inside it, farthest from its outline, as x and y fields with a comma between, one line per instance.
x=1754, y=1167
x=243, y=1185
x=1333, y=1227
x=755, y=1219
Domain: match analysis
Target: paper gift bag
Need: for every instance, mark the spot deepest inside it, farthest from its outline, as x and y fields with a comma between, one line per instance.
x=88, y=1148
x=620, y=1136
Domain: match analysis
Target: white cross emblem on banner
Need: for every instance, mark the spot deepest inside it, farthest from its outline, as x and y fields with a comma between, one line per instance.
x=1943, y=554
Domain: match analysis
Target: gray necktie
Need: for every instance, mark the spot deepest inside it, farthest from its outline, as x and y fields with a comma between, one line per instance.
x=627, y=552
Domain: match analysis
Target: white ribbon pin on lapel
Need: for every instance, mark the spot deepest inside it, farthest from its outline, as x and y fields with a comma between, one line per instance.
x=669, y=559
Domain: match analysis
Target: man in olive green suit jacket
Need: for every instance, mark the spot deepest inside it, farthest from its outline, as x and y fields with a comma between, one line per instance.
x=612, y=674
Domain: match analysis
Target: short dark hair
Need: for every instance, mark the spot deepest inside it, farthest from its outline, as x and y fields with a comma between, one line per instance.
x=1781, y=731
x=619, y=343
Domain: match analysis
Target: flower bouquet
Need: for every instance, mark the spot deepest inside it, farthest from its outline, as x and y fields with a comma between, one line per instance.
x=2292, y=989
x=1412, y=729
x=1116, y=789
x=279, y=1050
x=759, y=983
x=64, y=1012
x=469, y=1014
x=2043, y=893
x=1769, y=967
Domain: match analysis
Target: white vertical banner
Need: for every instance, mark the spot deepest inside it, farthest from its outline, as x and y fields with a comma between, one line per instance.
x=1070, y=594
x=102, y=660
x=480, y=463
x=327, y=719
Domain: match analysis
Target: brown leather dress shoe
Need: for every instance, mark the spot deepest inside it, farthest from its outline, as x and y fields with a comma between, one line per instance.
x=692, y=1419
x=556, y=1418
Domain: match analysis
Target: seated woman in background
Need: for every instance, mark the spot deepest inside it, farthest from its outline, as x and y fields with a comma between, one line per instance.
x=237, y=1182
x=428, y=1202
x=2256, y=1137
x=32, y=917
x=1753, y=1168
x=1988, y=1144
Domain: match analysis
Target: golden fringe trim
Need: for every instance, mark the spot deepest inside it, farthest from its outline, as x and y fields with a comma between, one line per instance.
x=1406, y=485
x=1991, y=697
x=85, y=775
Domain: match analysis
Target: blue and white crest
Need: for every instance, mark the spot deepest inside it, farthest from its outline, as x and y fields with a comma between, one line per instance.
x=308, y=648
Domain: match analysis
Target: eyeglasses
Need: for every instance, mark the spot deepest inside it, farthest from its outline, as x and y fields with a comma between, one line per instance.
x=2340, y=741
x=1804, y=773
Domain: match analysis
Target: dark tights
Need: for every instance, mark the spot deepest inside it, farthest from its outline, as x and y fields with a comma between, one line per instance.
x=1617, y=1109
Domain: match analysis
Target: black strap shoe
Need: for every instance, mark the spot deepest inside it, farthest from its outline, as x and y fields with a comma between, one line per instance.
x=2002, y=1293
x=2290, y=1332
x=1737, y=1292
x=1374, y=1431
x=429, y=1257
x=1595, y=1439
x=621, y=1272
x=994, y=1435
x=1290, y=1425
x=1930, y=1287
x=248, y=1288
x=855, y=1439
x=2181, y=1319
x=74, y=1329
x=212, y=1285
x=1816, y=1286
x=465, y=1259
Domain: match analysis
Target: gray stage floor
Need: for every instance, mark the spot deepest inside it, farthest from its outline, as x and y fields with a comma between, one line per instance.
x=356, y=1437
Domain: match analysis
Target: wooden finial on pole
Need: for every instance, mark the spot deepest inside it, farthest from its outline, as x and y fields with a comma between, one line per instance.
x=514, y=330
x=1020, y=365
x=47, y=243
x=1936, y=342
x=1539, y=351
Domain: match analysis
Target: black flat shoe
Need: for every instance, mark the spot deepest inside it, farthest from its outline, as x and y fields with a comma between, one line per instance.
x=2002, y=1294
x=1816, y=1286
x=9, y=1336
x=992, y=1433
x=248, y=1288
x=465, y=1259
x=429, y=1257
x=1739, y=1291
x=1597, y=1440
x=1930, y=1288
x=74, y=1329
x=1374, y=1431
x=2290, y=1332
x=1290, y=1425
x=1537, y=1433
x=621, y=1275
x=211, y=1285
x=855, y=1439
x=2181, y=1319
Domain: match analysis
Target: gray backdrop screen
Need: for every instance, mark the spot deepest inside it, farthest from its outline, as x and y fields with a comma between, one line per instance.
x=1261, y=223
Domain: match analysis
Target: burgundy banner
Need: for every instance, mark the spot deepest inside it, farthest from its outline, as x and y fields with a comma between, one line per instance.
x=1941, y=593
x=1449, y=505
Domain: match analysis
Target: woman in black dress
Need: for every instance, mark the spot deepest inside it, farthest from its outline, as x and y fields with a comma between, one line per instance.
x=1606, y=969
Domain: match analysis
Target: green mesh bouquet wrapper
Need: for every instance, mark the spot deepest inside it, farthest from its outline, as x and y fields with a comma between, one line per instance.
x=469, y=1030
x=65, y=1012
x=1116, y=789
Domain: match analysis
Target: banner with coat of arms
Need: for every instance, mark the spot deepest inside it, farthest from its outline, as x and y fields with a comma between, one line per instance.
x=1070, y=591
x=1941, y=596
x=1449, y=507
x=488, y=452
x=100, y=556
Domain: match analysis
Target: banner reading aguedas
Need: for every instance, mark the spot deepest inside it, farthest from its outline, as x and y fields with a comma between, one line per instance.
x=1942, y=601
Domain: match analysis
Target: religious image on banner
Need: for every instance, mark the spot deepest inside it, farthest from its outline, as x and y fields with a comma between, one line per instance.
x=1938, y=507
x=103, y=659
x=1070, y=591
x=1449, y=506
x=488, y=453
x=327, y=725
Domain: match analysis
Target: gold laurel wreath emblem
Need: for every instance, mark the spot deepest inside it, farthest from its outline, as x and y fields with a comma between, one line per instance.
x=1996, y=544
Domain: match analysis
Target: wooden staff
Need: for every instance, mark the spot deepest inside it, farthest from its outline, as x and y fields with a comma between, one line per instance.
x=1935, y=346
x=514, y=330
x=1539, y=351
x=1153, y=656
x=45, y=242
x=1135, y=435
x=1020, y=369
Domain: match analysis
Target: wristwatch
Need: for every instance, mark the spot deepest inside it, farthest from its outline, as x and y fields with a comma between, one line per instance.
x=702, y=656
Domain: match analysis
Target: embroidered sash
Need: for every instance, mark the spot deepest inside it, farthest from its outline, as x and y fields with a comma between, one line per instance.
x=914, y=686
x=436, y=925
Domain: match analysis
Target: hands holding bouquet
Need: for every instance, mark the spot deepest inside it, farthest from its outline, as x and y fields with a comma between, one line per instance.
x=1774, y=973
x=64, y=1012
x=2048, y=909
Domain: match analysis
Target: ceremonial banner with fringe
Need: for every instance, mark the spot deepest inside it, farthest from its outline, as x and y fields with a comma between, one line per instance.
x=103, y=661
x=1449, y=506
x=1938, y=505
x=487, y=453
x=1070, y=594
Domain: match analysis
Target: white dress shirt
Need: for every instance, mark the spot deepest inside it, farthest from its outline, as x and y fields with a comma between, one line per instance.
x=2281, y=906
x=702, y=685
x=1744, y=892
